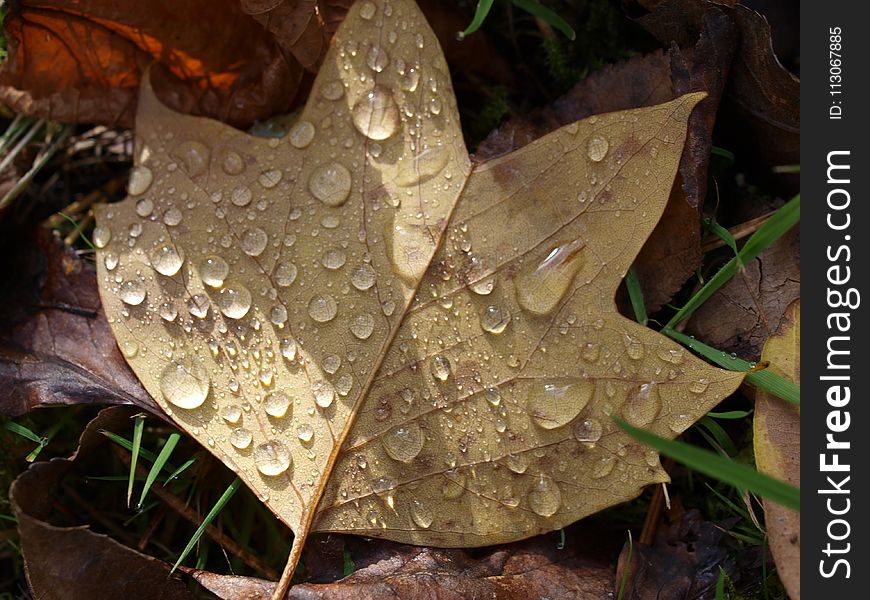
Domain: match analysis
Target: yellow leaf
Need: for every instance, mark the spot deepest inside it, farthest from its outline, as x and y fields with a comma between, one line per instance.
x=777, y=440
x=379, y=338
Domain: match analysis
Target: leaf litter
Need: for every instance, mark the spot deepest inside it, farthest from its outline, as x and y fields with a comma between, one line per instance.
x=380, y=338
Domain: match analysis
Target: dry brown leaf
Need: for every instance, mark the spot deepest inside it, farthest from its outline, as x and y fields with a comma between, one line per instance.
x=531, y=568
x=747, y=310
x=302, y=308
x=778, y=449
x=55, y=345
x=83, y=62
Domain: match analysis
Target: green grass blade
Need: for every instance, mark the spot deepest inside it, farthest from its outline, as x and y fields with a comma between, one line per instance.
x=635, y=294
x=772, y=229
x=723, y=153
x=725, y=470
x=162, y=458
x=138, y=429
x=763, y=379
x=724, y=235
x=179, y=470
x=23, y=431
x=480, y=14
x=219, y=505
x=720, y=585
x=627, y=570
x=722, y=438
x=730, y=414
x=544, y=13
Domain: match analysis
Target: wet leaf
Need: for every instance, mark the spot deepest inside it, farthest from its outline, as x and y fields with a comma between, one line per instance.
x=55, y=345
x=645, y=81
x=777, y=448
x=377, y=337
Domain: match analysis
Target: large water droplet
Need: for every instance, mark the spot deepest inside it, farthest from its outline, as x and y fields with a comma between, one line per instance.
x=333, y=259
x=376, y=115
x=234, y=301
x=241, y=438
x=377, y=58
x=232, y=413
x=185, y=383
x=302, y=133
x=633, y=347
x=233, y=163
x=363, y=278
x=198, y=305
x=603, y=466
x=699, y=386
x=642, y=406
x=194, y=157
x=556, y=403
x=423, y=166
x=597, y=148
x=440, y=367
x=254, y=241
x=494, y=319
x=588, y=431
x=672, y=355
x=272, y=458
x=539, y=290
x=288, y=349
x=270, y=178
x=479, y=279
x=132, y=292
x=421, y=514
x=101, y=236
x=276, y=404
x=322, y=308
x=167, y=311
x=111, y=261
x=403, y=443
x=545, y=496
x=330, y=183
x=144, y=207
x=331, y=363
x=517, y=463
x=410, y=80
x=332, y=90
x=241, y=196
x=367, y=10
x=285, y=273
x=362, y=326
x=454, y=484
x=305, y=433
x=140, y=180
x=167, y=259
x=172, y=217
x=323, y=392
x=213, y=270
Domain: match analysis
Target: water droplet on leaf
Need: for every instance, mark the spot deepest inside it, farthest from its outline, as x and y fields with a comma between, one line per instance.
x=376, y=115
x=545, y=497
x=403, y=443
x=272, y=458
x=185, y=383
